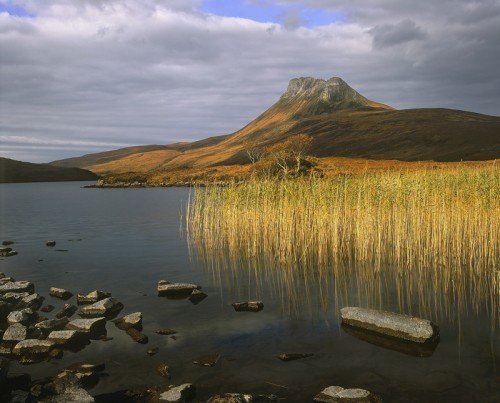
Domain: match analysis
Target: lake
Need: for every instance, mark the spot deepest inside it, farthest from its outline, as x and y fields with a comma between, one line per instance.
x=124, y=241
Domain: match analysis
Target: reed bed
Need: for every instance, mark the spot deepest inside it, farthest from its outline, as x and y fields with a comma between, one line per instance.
x=430, y=236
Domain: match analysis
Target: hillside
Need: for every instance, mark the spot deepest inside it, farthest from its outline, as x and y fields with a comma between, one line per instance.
x=12, y=171
x=342, y=123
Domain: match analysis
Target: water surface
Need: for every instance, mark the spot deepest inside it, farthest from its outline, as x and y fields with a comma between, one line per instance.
x=124, y=240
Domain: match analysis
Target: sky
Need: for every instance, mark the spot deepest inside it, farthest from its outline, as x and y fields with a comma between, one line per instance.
x=83, y=76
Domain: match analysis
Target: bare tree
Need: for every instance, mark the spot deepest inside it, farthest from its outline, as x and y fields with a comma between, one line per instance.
x=299, y=145
x=254, y=152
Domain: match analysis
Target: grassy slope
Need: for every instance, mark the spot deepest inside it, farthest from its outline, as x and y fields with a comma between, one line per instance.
x=12, y=171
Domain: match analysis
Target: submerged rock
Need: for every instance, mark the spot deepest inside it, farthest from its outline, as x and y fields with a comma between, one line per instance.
x=17, y=286
x=166, y=332
x=60, y=293
x=294, y=356
x=50, y=243
x=207, y=360
x=197, y=296
x=131, y=320
x=182, y=393
x=390, y=324
x=163, y=370
x=7, y=243
x=334, y=394
x=242, y=398
x=176, y=290
x=250, y=306
x=137, y=336
x=153, y=351
x=106, y=307
x=92, y=297
x=47, y=308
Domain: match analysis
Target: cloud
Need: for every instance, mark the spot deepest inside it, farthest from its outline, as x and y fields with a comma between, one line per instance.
x=130, y=72
x=394, y=34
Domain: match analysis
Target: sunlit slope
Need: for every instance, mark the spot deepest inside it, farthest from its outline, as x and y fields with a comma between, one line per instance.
x=342, y=123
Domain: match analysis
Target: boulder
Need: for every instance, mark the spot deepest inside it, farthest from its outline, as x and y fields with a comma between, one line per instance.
x=15, y=333
x=67, y=311
x=390, y=324
x=60, y=293
x=131, y=320
x=50, y=243
x=197, y=296
x=294, y=356
x=334, y=394
x=106, y=307
x=33, y=350
x=92, y=297
x=176, y=290
x=182, y=393
x=17, y=286
x=94, y=326
x=24, y=316
x=137, y=336
x=250, y=306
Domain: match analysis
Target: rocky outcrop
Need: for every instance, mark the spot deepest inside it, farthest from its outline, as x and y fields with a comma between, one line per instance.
x=390, y=324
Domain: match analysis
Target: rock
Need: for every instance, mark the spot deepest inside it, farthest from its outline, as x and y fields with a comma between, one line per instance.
x=92, y=297
x=294, y=356
x=163, y=370
x=242, y=398
x=197, y=296
x=60, y=293
x=72, y=394
x=50, y=243
x=106, y=307
x=33, y=350
x=67, y=311
x=251, y=306
x=208, y=360
x=19, y=396
x=137, y=336
x=390, y=324
x=5, y=280
x=153, y=351
x=47, y=308
x=33, y=301
x=7, y=252
x=64, y=337
x=24, y=316
x=7, y=243
x=131, y=320
x=163, y=282
x=14, y=297
x=176, y=290
x=182, y=393
x=17, y=286
x=52, y=324
x=95, y=326
x=333, y=394
x=15, y=333
x=166, y=332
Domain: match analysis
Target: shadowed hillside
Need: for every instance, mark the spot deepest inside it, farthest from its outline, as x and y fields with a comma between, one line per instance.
x=12, y=171
x=341, y=122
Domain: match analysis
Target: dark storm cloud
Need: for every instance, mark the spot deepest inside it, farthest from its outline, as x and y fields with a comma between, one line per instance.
x=86, y=75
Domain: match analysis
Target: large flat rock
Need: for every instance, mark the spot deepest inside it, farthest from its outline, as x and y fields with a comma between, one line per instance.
x=17, y=286
x=176, y=290
x=390, y=324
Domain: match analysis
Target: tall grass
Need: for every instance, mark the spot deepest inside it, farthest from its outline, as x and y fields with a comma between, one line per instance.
x=433, y=233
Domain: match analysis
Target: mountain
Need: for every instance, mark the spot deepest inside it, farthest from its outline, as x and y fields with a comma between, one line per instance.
x=341, y=122
x=12, y=171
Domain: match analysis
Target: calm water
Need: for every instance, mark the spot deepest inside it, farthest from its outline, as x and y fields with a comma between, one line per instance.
x=125, y=240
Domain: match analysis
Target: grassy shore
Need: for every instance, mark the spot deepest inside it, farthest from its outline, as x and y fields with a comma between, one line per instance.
x=430, y=227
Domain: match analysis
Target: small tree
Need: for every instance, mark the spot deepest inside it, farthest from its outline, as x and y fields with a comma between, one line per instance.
x=299, y=145
x=254, y=152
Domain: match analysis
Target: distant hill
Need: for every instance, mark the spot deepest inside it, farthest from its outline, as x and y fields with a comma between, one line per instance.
x=12, y=171
x=341, y=122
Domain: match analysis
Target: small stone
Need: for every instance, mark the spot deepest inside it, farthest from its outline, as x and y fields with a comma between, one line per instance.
x=137, y=336
x=250, y=306
x=131, y=320
x=47, y=308
x=182, y=393
x=176, y=290
x=7, y=252
x=50, y=243
x=197, y=296
x=67, y=311
x=208, y=360
x=106, y=307
x=166, y=332
x=163, y=370
x=92, y=297
x=294, y=356
x=153, y=351
x=17, y=286
x=60, y=293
